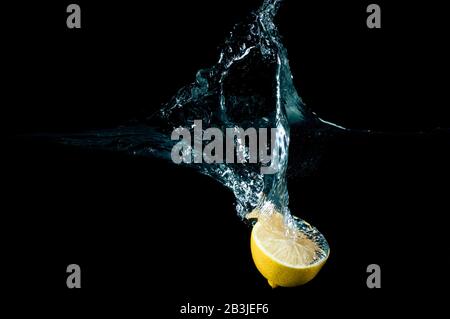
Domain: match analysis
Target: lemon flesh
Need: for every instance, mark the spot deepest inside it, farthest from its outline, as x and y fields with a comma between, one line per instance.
x=286, y=257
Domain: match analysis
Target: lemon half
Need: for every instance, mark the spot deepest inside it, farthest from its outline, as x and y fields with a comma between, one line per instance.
x=287, y=257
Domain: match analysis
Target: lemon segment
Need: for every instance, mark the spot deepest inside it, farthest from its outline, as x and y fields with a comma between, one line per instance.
x=285, y=258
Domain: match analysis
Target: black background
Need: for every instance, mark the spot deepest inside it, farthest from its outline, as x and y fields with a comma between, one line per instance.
x=150, y=237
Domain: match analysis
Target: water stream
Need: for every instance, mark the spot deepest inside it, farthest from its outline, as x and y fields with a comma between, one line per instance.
x=251, y=85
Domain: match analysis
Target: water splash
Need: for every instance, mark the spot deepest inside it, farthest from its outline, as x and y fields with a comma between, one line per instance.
x=251, y=85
